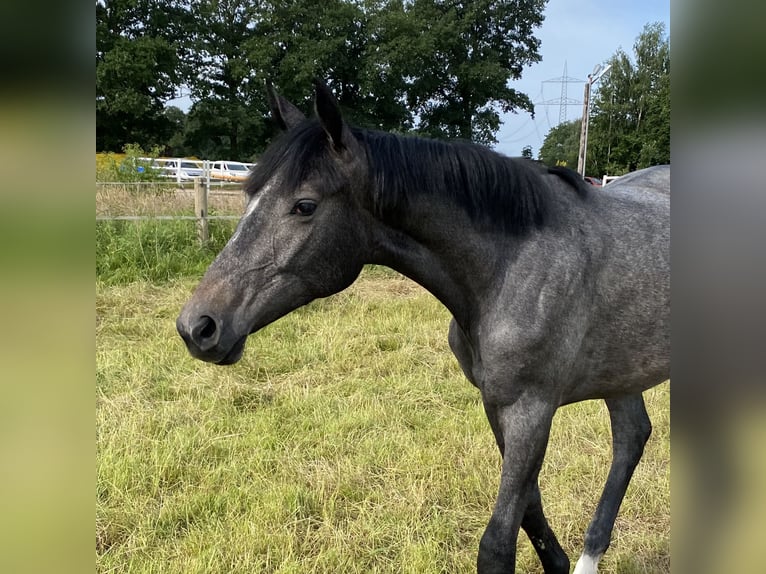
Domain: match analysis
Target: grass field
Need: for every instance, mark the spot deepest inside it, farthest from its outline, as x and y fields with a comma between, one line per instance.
x=346, y=440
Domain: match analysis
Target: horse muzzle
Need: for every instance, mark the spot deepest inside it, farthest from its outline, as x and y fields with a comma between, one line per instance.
x=207, y=338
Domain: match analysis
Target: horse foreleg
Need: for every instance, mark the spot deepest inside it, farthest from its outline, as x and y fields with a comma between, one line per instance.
x=522, y=429
x=534, y=523
x=630, y=431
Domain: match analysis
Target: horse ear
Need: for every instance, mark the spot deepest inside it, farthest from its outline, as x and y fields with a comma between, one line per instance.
x=284, y=113
x=328, y=112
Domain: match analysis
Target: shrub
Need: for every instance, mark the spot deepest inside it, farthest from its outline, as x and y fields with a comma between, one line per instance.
x=128, y=166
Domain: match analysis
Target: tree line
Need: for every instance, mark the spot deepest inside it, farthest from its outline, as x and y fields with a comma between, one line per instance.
x=440, y=68
x=629, y=127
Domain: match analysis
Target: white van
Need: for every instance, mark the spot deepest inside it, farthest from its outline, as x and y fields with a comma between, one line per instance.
x=222, y=170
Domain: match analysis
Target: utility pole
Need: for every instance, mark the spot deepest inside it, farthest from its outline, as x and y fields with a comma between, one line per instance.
x=593, y=77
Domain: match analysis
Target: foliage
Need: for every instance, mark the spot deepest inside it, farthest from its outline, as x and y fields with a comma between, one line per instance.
x=137, y=70
x=562, y=145
x=458, y=58
x=526, y=152
x=134, y=164
x=630, y=125
x=176, y=145
x=227, y=118
x=303, y=40
x=439, y=67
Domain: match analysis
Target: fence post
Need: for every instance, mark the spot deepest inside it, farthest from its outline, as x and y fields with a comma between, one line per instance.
x=200, y=209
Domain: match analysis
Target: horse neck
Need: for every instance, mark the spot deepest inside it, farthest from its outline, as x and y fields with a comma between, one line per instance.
x=439, y=247
x=422, y=190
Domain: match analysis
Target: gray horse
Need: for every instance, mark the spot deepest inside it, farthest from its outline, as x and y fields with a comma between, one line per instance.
x=559, y=291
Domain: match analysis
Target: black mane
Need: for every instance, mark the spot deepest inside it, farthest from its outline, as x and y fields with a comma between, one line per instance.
x=509, y=193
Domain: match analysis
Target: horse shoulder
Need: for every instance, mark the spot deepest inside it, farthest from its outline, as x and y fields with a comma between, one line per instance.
x=530, y=332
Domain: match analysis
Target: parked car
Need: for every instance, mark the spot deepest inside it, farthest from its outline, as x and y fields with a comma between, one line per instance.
x=593, y=180
x=230, y=170
x=179, y=169
x=188, y=169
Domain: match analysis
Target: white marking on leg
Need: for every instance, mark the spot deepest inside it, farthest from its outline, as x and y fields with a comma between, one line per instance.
x=587, y=564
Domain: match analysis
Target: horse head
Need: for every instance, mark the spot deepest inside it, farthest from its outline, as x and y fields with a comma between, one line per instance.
x=302, y=235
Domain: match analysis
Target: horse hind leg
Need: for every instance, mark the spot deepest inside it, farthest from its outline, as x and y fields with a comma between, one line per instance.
x=630, y=431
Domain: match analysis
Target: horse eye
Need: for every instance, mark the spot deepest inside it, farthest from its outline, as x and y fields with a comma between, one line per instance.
x=304, y=207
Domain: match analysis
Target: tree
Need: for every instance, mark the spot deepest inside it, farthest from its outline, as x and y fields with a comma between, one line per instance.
x=343, y=42
x=561, y=145
x=630, y=126
x=227, y=119
x=439, y=67
x=237, y=46
x=458, y=57
x=136, y=71
x=526, y=152
x=176, y=144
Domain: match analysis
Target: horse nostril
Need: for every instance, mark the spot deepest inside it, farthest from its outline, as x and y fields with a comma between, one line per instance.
x=208, y=327
x=205, y=333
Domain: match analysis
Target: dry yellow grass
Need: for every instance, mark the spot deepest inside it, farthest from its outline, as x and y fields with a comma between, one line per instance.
x=152, y=199
x=346, y=440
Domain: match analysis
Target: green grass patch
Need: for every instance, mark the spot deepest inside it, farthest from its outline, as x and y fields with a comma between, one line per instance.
x=155, y=251
x=346, y=440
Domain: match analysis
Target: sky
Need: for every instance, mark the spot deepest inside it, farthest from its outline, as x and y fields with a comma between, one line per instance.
x=580, y=33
